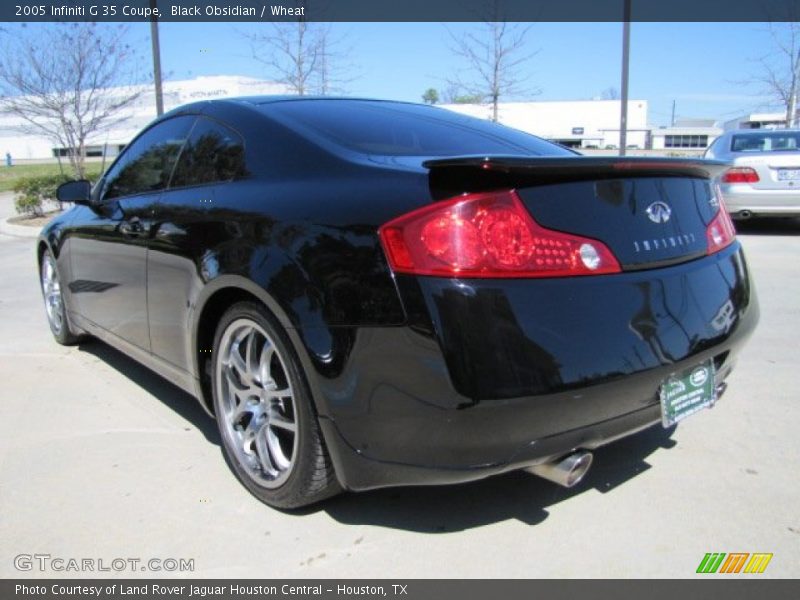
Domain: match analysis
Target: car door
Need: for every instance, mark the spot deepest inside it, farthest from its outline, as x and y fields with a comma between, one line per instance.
x=108, y=252
x=186, y=226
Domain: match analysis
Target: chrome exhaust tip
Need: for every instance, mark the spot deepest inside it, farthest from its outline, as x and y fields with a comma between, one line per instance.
x=744, y=214
x=566, y=472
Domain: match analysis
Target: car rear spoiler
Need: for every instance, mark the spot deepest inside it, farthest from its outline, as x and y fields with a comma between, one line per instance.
x=581, y=167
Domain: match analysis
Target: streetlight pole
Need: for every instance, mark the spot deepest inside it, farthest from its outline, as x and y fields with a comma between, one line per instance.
x=791, y=121
x=156, y=61
x=623, y=115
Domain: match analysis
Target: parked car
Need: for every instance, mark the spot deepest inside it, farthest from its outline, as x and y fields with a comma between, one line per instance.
x=764, y=179
x=368, y=293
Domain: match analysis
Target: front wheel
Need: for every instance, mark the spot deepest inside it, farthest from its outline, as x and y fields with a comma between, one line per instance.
x=54, y=302
x=264, y=411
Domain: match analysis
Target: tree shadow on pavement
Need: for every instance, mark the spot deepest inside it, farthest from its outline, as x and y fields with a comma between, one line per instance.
x=516, y=495
x=768, y=226
x=174, y=398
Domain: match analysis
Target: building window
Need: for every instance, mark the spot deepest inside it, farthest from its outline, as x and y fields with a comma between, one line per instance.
x=90, y=151
x=685, y=141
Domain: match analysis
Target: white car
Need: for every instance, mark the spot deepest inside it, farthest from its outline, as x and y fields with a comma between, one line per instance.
x=764, y=178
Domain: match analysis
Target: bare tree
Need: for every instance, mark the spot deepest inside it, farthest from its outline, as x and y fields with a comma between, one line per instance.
x=779, y=71
x=333, y=72
x=324, y=77
x=67, y=82
x=449, y=93
x=610, y=93
x=495, y=55
x=305, y=57
x=290, y=51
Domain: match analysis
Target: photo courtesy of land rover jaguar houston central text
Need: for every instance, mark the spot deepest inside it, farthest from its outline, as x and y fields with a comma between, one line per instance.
x=368, y=293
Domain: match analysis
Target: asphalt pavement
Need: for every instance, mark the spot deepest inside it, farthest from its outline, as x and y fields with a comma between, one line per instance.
x=101, y=459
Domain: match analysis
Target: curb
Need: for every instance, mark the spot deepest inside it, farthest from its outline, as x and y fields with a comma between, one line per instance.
x=22, y=231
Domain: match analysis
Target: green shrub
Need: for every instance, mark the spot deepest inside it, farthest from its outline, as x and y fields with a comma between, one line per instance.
x=29, y=205
x=31, y=192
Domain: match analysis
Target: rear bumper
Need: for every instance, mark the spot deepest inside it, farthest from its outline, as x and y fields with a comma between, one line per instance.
x=743, y=197
x=492, y=376
x=358, y=472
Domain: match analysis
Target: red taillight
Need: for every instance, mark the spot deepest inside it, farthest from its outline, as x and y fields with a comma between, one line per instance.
x=720, y=232
x=740, y=175
x=488, y=235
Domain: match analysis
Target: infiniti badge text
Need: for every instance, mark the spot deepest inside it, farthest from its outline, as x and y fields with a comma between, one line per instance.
x=664, y=243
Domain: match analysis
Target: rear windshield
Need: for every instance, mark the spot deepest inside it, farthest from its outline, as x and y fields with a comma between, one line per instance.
x=395, y=129
x=773, y=141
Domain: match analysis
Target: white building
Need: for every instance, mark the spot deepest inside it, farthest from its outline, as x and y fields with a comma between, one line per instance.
x=579, y=124
x=695, y=134
x=775, y=120
x=136, y=116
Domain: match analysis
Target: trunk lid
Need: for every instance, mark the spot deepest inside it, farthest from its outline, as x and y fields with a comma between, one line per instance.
x=649, y=212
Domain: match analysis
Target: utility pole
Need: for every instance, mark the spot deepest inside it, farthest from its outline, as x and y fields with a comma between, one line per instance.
x=156, y=60
x=626, y=42
x=672, y=120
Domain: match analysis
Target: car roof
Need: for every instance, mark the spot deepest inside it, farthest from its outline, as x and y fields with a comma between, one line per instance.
x=259, y=100
x=762, y=131
x=213, y=105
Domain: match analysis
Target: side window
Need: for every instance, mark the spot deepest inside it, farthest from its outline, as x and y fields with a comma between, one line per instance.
x=147, y=164
x=213, y=153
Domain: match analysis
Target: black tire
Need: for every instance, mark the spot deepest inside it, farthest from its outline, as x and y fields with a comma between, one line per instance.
x=56, y=314
x=311, y=476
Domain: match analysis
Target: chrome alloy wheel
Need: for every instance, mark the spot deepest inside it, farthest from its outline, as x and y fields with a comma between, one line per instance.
x=259, y=416
x=51, y=288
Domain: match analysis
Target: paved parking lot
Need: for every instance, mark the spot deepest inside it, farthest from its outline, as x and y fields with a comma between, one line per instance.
x=101, y=459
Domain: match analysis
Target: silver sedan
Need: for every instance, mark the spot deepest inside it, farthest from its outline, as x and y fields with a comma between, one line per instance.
x=764, y=179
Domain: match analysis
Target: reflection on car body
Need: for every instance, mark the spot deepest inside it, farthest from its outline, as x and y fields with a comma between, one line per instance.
x=368, y=293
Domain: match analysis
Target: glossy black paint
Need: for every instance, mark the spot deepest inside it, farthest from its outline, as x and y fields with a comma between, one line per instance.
x=486, y=370
x=615, y=211
x=415, y=380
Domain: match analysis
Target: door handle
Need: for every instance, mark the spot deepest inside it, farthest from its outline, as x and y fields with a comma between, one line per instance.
x=133, y=227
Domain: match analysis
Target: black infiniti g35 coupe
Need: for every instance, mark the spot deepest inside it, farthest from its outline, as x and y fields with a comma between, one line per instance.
x=368, y=293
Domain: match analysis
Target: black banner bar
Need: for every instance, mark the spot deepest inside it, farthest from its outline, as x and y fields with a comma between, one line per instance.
x=399, y=10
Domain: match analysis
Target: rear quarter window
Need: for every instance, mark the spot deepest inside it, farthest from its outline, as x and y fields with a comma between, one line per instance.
x=213, y=153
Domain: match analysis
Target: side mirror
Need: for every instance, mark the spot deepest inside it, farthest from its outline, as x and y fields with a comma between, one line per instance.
x=77, y=192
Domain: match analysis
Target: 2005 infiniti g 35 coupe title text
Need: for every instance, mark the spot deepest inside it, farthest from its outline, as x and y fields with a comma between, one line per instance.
x=370, y=293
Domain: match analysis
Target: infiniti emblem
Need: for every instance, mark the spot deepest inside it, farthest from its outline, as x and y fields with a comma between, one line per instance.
x=659, y=212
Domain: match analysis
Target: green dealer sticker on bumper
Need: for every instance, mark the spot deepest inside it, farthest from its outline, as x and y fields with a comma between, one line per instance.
x=686, y=392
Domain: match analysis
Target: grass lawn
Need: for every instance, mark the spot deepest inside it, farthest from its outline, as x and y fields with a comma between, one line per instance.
x=10, y=175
